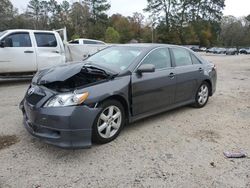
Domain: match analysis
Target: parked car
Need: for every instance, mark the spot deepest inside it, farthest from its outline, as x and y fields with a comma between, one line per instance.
x=232, y=51
x=75, y=104
x=86, y=41
x=244, y=51
x=203, y=49
x=219, y=50
x=210, y=50
x=195, y=49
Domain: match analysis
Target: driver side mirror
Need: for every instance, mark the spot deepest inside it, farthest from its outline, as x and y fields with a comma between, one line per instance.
x=146, y=68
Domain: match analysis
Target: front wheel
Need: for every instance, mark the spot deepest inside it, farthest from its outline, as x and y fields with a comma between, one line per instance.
x=109, y=122
x=202, y=95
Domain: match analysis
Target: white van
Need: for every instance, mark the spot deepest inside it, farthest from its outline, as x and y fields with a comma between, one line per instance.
x=26, y=51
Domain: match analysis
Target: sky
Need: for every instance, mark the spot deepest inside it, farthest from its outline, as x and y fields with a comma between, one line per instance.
x=236, y=8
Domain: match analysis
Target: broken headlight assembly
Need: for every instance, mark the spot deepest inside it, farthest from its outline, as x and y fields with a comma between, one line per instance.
x=69, y=99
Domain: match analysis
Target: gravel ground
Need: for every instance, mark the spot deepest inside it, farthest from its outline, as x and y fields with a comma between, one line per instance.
x=180, y=148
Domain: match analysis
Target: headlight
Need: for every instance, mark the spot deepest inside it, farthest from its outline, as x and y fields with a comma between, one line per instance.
x=70, y=99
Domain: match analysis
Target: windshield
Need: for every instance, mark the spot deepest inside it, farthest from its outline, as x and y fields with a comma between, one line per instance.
x=116, y=58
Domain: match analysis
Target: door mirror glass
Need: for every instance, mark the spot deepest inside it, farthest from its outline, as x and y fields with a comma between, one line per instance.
x=146, y=68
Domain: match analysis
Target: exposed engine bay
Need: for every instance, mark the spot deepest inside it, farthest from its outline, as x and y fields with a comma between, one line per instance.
x=86, y=77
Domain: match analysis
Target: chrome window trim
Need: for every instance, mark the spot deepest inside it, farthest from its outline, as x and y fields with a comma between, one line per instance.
x=139, y=64
x=18, y=32
x=189, y=55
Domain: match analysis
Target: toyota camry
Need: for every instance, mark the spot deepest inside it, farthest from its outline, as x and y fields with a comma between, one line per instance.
x=73, y=105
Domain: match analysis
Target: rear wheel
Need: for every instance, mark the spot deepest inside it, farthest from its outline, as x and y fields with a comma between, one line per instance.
x=202, y=95
x=109, y=122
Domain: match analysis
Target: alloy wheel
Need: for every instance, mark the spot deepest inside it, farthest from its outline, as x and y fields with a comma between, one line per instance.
x=203, y=94
x=109, y=122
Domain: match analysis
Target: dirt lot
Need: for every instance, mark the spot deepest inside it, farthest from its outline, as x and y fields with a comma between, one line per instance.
x=181, y=148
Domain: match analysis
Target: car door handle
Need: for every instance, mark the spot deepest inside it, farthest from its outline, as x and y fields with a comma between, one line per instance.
x=56, y=51
x=171, y=75
x=29, y=52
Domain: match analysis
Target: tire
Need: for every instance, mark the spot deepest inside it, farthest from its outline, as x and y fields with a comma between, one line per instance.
x=202, y=95
x=107, y=127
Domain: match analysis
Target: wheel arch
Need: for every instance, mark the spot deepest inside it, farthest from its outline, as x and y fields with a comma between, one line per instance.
x=210, y=86
x=123, y=101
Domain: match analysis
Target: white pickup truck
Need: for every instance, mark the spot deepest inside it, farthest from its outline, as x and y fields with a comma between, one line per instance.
x=26, y=51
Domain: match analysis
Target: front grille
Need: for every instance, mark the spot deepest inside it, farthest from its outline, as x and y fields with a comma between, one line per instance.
x=34, y=98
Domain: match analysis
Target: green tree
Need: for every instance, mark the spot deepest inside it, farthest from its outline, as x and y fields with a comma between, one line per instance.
x=136, y=22
x=79, y=16
x=112, y=36
x=44, y=15
x=7, y=13
x=98, y=9
x=146, y=36
x=35, y=11
x=123, y=26
x=162, y=7
x=186, y=21
x=98, y=20
x=234, y=32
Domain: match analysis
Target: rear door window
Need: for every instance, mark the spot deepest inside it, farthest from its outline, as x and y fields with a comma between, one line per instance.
x=160, y=58
x=17, y=40
x=46, y=40
x=182, y=57
x=195, y=60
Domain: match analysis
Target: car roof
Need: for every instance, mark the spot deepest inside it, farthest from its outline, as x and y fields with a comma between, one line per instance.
x=28, y=30
x=149, y=45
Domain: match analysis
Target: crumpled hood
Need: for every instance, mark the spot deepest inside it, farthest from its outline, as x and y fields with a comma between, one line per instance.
x=64, y=72
x=58, y=73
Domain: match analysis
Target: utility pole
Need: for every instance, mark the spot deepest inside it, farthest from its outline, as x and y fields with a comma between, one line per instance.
x=152, y=34
x=153, y=22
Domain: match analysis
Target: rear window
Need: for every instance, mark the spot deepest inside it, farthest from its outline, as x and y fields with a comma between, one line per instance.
x=45, y=40
x=92, y=42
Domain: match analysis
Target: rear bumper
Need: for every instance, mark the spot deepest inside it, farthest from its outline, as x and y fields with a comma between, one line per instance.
x=67, y=127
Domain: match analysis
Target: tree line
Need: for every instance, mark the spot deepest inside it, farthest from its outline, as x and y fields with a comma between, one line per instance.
x=197, y=22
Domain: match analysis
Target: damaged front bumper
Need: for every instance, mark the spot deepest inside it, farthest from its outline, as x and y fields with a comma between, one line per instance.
x=66, y=127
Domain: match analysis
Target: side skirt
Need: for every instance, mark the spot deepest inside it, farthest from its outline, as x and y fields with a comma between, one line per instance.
x=147, y=114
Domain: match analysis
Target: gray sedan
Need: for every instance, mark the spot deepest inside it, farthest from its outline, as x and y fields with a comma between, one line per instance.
x=73, y=105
